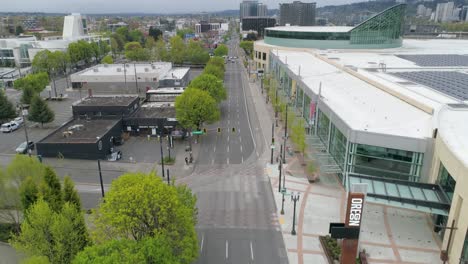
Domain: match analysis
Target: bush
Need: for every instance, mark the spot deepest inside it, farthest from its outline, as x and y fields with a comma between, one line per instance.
x=6, y=229
x=333, y=247
x=169, y=161
x=311, y=167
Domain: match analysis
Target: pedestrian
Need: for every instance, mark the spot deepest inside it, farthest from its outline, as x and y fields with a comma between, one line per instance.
x=191, y=159
x=186, y=160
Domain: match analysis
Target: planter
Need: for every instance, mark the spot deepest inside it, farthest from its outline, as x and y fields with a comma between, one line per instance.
x=311, y=173
x=328, y=251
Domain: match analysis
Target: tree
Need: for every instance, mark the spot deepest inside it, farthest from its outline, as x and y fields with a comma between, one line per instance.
x=140, y=206
x=52, y=190
x=29, y=193
x=137, y=36
x=195, y=107
x=221, y=50
x=195, y=53
x=40, y=112
x=59, y=236
x=155, y=33
x=162, y=54
x=247, y=46
x=27, y=95
x=210, y=84
x=182, y=32
x=214, y=70
x=218, y=62
x=126, y=251
x=107, y=60
x=70, y=195
x=36, y=81
x=7, y=110
x=134, y=52
x=117, y=43
x=298, y=135
x=19, y=30
x=123, y=33
x=178, y=50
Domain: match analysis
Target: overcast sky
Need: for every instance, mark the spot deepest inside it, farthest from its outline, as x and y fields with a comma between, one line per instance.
x=143, y=6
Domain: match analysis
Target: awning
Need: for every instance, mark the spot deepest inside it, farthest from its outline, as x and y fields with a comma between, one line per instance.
x=424, y=197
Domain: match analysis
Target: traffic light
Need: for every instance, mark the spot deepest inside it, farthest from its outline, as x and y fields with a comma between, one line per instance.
x=219, y=130
x=233, y=130
x=204, y=131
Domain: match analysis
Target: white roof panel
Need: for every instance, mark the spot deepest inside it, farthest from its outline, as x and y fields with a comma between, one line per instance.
x=311, y=29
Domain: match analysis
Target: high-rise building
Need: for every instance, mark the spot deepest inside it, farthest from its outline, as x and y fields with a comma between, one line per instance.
x=74, y=26
x=252, y=9
x=464, y=13
x=297, y=14
x=257, y=24
x=444, y=12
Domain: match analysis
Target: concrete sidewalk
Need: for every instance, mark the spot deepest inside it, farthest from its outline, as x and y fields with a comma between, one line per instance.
x=389, y=235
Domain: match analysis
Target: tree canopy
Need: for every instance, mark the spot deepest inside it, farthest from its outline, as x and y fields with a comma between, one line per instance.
x=210, y=84
x=196, y=53
x=35, y=81
x=39, y=111
x=221, y=50
x=214, y=70
x=107, y=60
x=7, y=109
x=155, y=33
x=178, y=50
x=140, y=206
x=247, y=46
x=196, y=107
x=135, y=52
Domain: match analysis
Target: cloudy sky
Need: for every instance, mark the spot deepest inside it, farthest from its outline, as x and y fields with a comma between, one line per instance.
x=146, y=6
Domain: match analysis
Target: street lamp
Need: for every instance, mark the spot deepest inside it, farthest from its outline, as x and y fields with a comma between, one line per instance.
x=24, y=113
x=162, y=154
x=283, y=192
x=272, y=141
x=285, y=134
x=294, y=197
x=280, y=168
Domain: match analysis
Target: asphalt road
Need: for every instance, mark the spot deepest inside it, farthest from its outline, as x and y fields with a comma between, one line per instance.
x=236, y=212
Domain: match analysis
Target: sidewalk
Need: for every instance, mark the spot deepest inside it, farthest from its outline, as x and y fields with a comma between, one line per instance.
x=388, y=234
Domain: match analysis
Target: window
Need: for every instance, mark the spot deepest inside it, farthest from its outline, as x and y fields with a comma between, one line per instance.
x=338, y=146
x=264, y=56
x=323, y=127
x=446, y=181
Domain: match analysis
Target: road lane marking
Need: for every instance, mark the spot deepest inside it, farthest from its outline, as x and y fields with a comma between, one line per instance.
x=228, y=161
x=227, y=249
x=201, y=246
x=251, y=251
x=242, y=157
x=241, y=148
x=212, y=161
x=229, y=121
x=240, y=139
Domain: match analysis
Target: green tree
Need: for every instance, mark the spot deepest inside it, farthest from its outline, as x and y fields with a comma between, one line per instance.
x=36, y=81
x=218, y=62
x=7, y=109
x=51, y=189
x=29, y=193
x=181, y=32
x=27, y=95
x=107, y=60
x=137, y=36
x=19, y=30
x=221, y=50
x=70, y=194
x=117, y=43
x=195, y=107
x=154, y=33
x=123, y=33
x=140, y=206
x=40, y=112
x=210, y=84
x=178, y=50
x=298, y=135
x=214, y=70
x=247, y=46
x=196, y=53
x=59, y=236
x=126, y=251
x=135, y=52
x=74, y=52
x=162, y=54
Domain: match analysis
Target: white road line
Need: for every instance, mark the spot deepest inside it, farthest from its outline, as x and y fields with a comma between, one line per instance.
x=241, y=148
x=228, y=138
x=240, y=139
x=242, y=157
x=251, y=251
x=214, y=149
x=201, y=246
x=228, y=148
x=227, y=249
x=212, y=161
x=247, y=111
x=228, y=161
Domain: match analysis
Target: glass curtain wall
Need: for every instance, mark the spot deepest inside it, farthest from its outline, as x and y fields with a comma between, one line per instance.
x=386, y=162
x=323, y=127
x=338, y=146
x=447, y=182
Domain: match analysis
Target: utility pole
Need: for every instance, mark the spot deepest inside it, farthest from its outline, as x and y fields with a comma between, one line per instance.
x=280, y=166
x=168, y=178
x=272, y=141
x=282, y=202
x=162, y=155
x=285, y=134
x=100, y=177
x=169, y=146
x=125, y=75
x=25, y=130
x=294, y=197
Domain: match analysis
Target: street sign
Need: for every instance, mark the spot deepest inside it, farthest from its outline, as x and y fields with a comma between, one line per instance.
x=284, y=191
x=197, y=133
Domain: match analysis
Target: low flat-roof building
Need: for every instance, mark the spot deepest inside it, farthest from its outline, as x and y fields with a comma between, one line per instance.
x=81, y=139
x=128, y=78
x=392, y=118
x=152, y=119
x=105, y=107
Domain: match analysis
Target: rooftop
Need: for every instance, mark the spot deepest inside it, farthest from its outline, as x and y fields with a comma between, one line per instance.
x=155, y=110
x=157, y=68
x=176, y=73
x=311, y=29
x=119, y=100
x=81, y=131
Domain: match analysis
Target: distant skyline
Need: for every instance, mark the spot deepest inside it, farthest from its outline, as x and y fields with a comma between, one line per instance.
x=139, y=6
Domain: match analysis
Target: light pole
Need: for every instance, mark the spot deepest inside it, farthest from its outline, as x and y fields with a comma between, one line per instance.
x=100, y=177
x=162, y=154
x=125, y=75
x=294, y=197
x=25, y=130
x=168, y=178
x=280, y=166
x=282, y=201
x=169, y=147
x=272, y=141
x=136, y=79
x=285, y=134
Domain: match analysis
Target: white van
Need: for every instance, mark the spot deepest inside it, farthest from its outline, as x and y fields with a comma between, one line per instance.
x=9, y=127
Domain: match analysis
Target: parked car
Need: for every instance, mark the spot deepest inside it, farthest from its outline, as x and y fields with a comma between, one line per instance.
x=23, y=147
x=115, y=156
x=9, y=127
x=18, y=120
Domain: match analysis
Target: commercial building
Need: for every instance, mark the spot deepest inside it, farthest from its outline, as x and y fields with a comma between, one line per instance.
x=444, y=12
x=383, y=30
x=392, y=118
x=105, y=107
x=204, y=27
x=129, y=78
x=81, y=139
x=257, y=24
x=252, y=8
x=113, y=27
x=297, y=13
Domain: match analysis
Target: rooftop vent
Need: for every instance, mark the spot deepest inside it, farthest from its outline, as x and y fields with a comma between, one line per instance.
x=95, y=70
x=76, y=127
x=458, y=106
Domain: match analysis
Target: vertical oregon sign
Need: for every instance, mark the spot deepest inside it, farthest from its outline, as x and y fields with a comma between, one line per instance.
x=353, y=219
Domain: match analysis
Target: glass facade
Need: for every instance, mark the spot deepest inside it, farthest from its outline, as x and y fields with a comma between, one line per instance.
x=446, y=181
x=338, y=146
x=386, y=162
x=323, y=127
x=383, y=28
x=274, y=33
